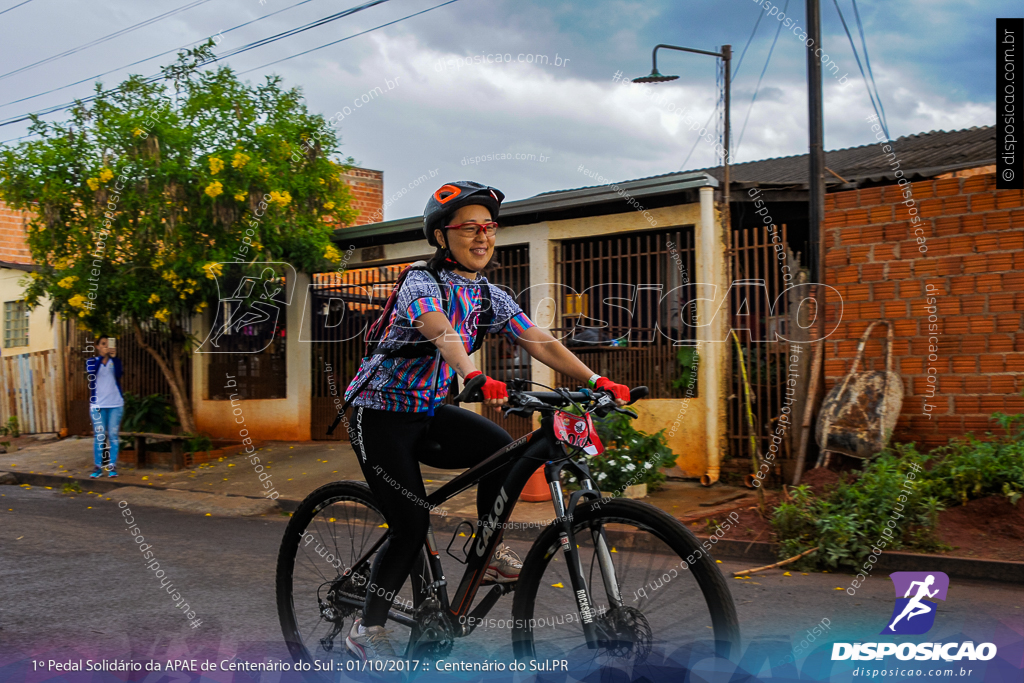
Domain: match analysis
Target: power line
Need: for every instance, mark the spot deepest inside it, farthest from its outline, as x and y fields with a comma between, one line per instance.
x=408, y=16
x=135, y=63
x=16, y=6
x=149, y=79
x=760, y=78
x=867, y=62
x=874, y=104
x=115, y=34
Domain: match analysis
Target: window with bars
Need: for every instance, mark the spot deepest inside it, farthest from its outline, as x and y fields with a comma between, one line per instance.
x=15, y=324
x=626, y=309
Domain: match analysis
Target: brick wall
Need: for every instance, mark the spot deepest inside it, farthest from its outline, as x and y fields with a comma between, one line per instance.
x=367, y=188
x=13, y=247
x=975, y=262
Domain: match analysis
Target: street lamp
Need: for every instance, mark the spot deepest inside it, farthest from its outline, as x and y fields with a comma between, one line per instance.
x=655, y=77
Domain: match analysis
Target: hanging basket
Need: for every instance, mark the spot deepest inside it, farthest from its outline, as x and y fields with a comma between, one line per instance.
x=858, y=415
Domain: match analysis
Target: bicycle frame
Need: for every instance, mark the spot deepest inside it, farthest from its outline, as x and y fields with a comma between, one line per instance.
x=523, y=455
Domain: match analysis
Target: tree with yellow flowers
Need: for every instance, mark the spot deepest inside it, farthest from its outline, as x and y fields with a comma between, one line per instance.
x=142, y=194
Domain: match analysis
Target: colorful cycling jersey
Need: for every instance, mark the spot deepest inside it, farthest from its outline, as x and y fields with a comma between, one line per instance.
x=404, y=384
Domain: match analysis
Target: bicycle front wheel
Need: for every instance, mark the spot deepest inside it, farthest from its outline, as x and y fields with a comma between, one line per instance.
x=653, y=590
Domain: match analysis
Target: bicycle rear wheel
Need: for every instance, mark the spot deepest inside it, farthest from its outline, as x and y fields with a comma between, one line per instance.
x=665, y=602
x=330, y=531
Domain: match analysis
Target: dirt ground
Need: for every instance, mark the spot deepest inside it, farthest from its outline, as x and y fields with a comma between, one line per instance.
x=987, y=528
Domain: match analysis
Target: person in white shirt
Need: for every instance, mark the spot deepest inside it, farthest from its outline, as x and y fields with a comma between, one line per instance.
x=106, y=404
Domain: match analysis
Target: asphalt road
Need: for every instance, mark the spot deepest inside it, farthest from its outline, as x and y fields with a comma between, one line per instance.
x=74, y=584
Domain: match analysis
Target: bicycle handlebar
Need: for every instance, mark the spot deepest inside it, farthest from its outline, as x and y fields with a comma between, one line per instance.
x=535, y=400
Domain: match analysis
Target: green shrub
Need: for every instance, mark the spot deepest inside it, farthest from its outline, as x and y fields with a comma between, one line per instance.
x=154, y=413
x=630, y=456
x=198, y=442
x=846, y=522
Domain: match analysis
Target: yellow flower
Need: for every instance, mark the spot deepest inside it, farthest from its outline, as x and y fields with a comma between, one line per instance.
x=76, y=301
x=137, y=132
x=322, y=181
x=163, y=315
x=67, y=282
x=200, y=307
x=241, y=197
x=281, y=198
x=106, y=174
x=214, y=188
x=329, y=205
x=213, y=270
x=154, y=299
x=93, y=183
x=240, y=160
x=215, y=165
x=331, y=254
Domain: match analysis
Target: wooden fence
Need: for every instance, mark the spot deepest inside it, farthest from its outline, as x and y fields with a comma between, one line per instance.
x=33, y=391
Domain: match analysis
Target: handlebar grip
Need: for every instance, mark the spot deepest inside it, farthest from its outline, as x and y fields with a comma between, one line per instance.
x=471, y=393
x=637, y=393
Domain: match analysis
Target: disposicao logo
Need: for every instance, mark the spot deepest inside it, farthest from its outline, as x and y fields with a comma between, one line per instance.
x=913, y=615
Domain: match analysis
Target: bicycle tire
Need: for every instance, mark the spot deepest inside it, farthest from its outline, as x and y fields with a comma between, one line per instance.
x=665, y=528
x=323, y=498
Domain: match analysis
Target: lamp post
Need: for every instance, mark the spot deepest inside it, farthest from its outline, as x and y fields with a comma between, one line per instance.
x=655, y=77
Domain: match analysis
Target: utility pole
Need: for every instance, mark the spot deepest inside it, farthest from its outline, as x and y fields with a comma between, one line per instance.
x=815, y=125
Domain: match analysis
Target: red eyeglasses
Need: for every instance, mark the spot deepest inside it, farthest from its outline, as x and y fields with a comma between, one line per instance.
x=472, y=228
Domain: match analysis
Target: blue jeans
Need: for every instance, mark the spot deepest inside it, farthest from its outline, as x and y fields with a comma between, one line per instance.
x=106, y=423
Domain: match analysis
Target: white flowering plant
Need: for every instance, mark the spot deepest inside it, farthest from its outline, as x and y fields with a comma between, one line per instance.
x=630, y=457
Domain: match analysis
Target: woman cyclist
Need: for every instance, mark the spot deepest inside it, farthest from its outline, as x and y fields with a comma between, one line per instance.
x=400, y=400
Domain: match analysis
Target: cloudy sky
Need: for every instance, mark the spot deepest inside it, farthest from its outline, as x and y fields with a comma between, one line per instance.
x=933, y=65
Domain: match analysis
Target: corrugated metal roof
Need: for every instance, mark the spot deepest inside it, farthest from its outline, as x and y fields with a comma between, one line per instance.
x=919, y=155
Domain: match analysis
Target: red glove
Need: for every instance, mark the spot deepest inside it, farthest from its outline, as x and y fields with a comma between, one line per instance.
x=492, y=388
x=620, y=391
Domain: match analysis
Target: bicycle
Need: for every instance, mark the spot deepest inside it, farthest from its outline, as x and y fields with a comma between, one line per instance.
x=604, y=543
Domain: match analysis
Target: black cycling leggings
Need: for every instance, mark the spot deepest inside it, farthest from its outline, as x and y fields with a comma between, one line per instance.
x=384, y=442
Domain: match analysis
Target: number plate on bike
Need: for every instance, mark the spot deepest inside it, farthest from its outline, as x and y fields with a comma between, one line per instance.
x=578, y=431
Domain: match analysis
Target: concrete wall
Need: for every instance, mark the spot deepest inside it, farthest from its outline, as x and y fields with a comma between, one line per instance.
x=696, y=430
x=269, y=419
x=42, y=336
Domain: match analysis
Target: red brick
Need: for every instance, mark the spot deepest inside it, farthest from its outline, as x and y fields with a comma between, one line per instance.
x=1012, y=281
x=881, y=214
x=871, y=234
x=837, y=257
x=982, y=202
x=1000, y=343
x=968, y=404
x=847, y=275
x=963, y=285
x=1018, y=260
x=1003, y=384
x=947, y=225
x=856, y=216
x=871, y=196
x=989, y=283
x=849, y=236
x=895, y=232
x=897, y=270
x=870, y=310
x=975, y=263
x=872, y=272
x=858, y=293
x=905, y=327
x=955, y=204
x=952, y=384
x=1009, y=199
x=1011, y=241
x=859, y=254
x=1017, y=219
x=999, y=262
x=976, y=424
x=936, y=247
x=931, y=208
x=926, y=268
x=911, y=366
x=1014, y=405
x=975, y=385
x=835, y=219
x=846, y=200
x=964, y=364
x=1007, y=322
x=965, y=304
x=996, y=221
x=978, y=183
x=836, y=368
x=830, y=203
x=991, y=362
x=992, y=404
x=980, y=324
x=947, y=187
x=883, y=291
x=884, y=252
x=1001, y=301
x=969, y=223
x=954, y=324
x=924, y=189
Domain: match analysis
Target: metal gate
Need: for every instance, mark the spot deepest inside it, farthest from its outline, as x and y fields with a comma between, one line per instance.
x=142, y=375
x=757, y=314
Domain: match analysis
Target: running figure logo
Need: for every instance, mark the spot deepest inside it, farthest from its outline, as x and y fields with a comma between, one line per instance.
x=915, y=614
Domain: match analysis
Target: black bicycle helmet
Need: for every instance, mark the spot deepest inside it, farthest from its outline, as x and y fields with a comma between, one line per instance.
x=451, y=197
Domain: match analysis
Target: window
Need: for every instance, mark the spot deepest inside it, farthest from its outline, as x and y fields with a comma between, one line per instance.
x=15, y=324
